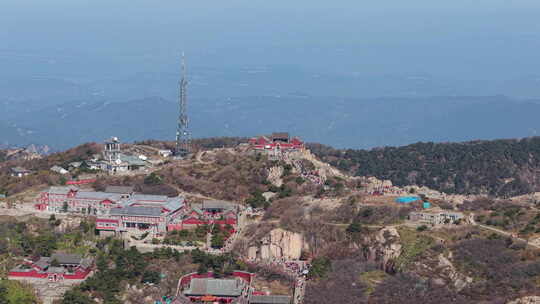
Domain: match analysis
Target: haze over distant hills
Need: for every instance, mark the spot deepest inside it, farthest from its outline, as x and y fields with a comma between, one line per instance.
x=70, y=70
x=341, y=122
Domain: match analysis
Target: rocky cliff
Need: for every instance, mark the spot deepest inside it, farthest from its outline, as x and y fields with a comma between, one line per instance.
x=278, y=244
x=384, y=248
x=447, y=270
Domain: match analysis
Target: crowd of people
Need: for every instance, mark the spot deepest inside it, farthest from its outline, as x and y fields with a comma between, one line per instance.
x=311, y=175
x=386, y=190
x=296, y=268
x=299, y=290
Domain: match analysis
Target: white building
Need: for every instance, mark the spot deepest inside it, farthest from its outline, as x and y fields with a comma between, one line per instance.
x=165, y=153
x=59, y=169
x=19, y=172
x=436, y=217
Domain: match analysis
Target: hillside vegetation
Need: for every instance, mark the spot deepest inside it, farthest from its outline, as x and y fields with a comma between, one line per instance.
x=229, y=176
x=498, y=167
x=40, y=169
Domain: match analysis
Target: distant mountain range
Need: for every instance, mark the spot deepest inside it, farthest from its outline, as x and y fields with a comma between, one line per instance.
x=340, y=122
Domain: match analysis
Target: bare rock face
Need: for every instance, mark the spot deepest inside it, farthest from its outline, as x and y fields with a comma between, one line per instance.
x=323, y=168
x=447, y=269
x=278, y=244
x=526, y=300
x=274, y=176
x=385, y=248
x=68, y=224
x=268, y=195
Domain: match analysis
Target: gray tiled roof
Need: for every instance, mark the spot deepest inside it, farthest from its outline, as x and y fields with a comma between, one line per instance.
x=215, y=204
x=43, y=262
x=66, y=258
x=19, y=170
x=56, y=270
x=197, y=208
x=271, y=299
x=98, y=195
x=75, y=164
x=280, y=135
x=60, y=190
x=215, y=287
x=141, y=211
x=132, y=160
x=174, y=203
x=119, y=189
x=149, y=197
x=125, y=203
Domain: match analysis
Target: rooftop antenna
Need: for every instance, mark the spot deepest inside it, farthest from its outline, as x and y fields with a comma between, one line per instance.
x=183, y=136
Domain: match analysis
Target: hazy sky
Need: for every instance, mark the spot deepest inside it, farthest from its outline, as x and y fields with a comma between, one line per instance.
x=460, y=39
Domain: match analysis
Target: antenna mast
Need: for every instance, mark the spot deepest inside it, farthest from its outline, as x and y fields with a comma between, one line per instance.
x=183, y=136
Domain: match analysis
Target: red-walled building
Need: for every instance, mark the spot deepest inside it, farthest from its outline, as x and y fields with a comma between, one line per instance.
x=56, y=268
x=235, y=288
x=209, y=212
x=276, y=142
x=205, y=288
x=117, y=209
x=73, y=200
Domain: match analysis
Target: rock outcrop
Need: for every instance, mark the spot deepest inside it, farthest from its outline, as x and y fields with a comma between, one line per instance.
x=447, y=269
x=526, y=300
x=68, y=223
x=324, y=168
x=384, y=248
x=274, y=176
x=278, y=244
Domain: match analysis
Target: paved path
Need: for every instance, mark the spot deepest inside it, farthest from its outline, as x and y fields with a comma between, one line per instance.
x=499, y=231
x=27, y=209
x=199, y=156
x=299, y=290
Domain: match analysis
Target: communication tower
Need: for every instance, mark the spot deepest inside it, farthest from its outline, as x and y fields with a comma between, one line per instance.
x=183, y=136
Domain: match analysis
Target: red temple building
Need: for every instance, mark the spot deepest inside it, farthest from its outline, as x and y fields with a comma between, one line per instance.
x=209, y=212
x=277, y=142
x=117, y=209
x=236, y=288
x=58, y=267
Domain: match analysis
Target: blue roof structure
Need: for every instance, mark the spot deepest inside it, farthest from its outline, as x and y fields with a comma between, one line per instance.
x=407, y=199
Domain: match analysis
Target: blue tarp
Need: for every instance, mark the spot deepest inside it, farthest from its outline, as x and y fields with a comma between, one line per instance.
x=407, y=199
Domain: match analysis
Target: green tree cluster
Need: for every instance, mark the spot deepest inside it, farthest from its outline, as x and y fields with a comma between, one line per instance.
x=13, y=292
x=464, y=168
x=257, y=200
x=153, y=179
x=219, y=264
x=320, y=267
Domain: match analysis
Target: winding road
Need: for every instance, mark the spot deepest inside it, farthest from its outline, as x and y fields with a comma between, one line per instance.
x=499, y=231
